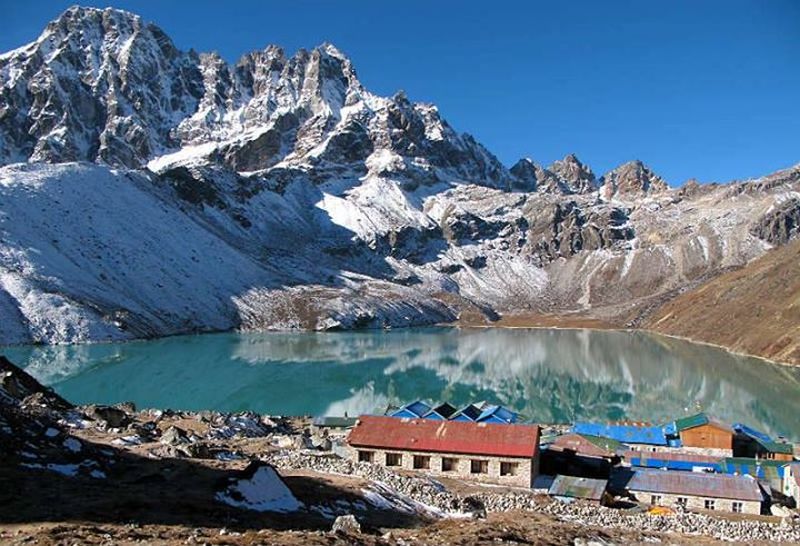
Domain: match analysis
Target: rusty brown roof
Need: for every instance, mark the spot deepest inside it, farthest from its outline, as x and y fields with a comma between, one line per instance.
x=498, y=440
x=696, y=484
x=584, y=444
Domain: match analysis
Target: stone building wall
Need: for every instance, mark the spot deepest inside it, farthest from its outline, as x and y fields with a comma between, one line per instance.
x=526, y=469
x=790, y=485
x=697, y=503
x=713, y=452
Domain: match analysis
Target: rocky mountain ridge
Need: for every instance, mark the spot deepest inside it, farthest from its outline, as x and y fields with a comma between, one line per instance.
x=149, y=191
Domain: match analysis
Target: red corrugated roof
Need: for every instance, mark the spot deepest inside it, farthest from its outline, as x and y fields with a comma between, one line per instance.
x=498, y=440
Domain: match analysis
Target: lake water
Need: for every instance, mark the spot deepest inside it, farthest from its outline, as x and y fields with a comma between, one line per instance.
x=547, y=375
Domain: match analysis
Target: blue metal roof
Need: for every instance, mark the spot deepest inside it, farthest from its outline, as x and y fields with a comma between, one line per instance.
x=442, y=411
x=468, y=413
x=629, y=434
x=403, y=413
x=749, y=431
x=648, y=461
x=497, y=414
x=413, y=410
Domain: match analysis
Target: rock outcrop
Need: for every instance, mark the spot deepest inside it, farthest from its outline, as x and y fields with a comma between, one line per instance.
x=631, y=180
x=577, y=177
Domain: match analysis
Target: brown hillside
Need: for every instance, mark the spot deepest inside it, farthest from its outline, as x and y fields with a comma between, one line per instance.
x=753, y=310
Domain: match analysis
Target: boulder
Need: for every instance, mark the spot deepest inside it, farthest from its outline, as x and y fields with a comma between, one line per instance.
x=174, y=436
x=346, y=525
x=112, y=417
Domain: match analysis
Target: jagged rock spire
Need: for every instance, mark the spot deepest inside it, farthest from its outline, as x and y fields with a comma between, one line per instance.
x=631, y=179
x=577, y=177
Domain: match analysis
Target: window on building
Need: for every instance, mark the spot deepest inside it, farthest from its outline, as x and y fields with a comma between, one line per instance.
x=736, y=506
x=422, y=462
x=710, y=504
x=653, y=449
x=449, y=464
x=394, y=459
x=509, y=469
x=682, y=501
x=479, y=466
x=366, y=456
x=655, y=499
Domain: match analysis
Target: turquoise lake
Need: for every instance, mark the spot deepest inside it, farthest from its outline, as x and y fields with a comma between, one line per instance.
x=547, y=375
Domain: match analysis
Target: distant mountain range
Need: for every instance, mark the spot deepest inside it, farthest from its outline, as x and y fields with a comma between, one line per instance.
x=149, y=191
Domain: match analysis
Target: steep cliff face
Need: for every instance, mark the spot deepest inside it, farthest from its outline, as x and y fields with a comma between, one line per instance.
x=162, y=192
x=97, y=84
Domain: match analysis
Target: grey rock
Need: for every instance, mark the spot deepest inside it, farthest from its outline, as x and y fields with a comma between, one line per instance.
x=630, y=180
x=110, y=416
x=348, y=525
x=780, y=224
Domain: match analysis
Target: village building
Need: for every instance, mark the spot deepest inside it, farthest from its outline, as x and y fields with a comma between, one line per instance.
x=505, y=454
x=697, y=491
x=750, y=442
x=581, y=455
x=586, y=445
x=702, y=434
x=637, y=436
x=414, y=410
x=442, y=412
x=496, y=414
x=791, y=483
x=469, y=413
x=573, y=487
x=672, y=460
x=769, y=472
x=334, y=423
x=482, y=412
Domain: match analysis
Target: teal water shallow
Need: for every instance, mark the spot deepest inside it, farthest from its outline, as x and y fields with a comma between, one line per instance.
x=547, y=375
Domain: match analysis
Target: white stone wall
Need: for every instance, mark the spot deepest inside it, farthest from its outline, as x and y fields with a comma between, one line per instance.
x=526, y=468
x=790, y=487
x=712, y=452
x=697, y=503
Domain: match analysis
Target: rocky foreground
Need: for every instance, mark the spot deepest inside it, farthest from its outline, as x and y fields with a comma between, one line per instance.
x=117, y=475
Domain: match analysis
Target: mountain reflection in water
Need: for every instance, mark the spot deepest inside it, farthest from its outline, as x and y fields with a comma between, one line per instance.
x=547, y=375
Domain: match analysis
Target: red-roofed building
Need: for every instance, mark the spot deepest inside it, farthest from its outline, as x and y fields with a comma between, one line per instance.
x=506, y=454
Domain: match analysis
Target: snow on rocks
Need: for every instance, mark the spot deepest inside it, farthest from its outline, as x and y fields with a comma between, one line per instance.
x=241, y=425
x=259, y=487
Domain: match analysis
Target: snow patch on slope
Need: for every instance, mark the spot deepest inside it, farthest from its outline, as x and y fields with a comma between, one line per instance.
x=262, y=490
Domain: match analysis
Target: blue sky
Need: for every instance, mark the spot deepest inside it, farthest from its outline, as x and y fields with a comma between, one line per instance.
x=702, y=88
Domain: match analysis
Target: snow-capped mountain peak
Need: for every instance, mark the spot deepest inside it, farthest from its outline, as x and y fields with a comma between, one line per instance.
x=157, y=191
x=101, y=85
